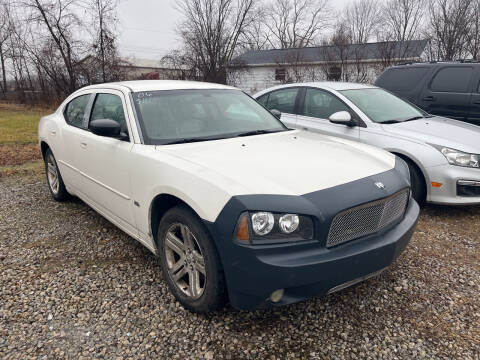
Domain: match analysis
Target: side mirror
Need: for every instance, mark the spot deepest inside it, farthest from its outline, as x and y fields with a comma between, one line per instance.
x=276, y=113
x=106, y=127
x=342, y=118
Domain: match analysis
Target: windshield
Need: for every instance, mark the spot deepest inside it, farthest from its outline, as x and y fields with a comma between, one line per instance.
x=176, y=116
x=383, y=107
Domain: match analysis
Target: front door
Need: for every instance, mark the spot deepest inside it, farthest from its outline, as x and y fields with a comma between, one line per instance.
x=448, y=92
x=315, y=110
x=106, y=162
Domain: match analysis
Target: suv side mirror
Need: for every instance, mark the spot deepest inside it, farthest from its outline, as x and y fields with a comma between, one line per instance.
x=276, y=113
x=342, y=118
x=108, y=128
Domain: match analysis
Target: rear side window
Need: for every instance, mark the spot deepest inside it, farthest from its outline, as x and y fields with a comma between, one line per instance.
x=108, y=106
x=402, y=79
x=75, y=111
x=452, y=79
x=283, y=100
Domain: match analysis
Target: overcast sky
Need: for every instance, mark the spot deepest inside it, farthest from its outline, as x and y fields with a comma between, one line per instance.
x=147, y=27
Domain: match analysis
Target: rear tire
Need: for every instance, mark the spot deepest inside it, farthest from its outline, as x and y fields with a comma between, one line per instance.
x=190, y=262
x=54, y=178
x=418, y=185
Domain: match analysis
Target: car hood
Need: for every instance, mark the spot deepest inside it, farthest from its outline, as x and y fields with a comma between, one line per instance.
x=291, y=162
x=440, y=131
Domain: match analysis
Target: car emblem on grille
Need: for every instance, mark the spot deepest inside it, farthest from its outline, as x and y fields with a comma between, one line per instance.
x=380, y=185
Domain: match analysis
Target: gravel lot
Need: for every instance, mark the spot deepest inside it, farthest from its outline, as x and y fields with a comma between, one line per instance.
x=74, y=286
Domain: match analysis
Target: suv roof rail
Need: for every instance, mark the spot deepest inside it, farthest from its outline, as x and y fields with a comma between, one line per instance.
x=459, y=61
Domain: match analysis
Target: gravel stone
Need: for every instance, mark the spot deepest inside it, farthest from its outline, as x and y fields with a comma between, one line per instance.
x=73, y=286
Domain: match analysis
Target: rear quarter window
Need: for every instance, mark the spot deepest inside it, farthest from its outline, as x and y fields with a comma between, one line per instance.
x=402, y=79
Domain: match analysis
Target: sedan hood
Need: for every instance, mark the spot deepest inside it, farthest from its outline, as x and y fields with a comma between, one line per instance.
x=440, y=131
x=291, y=162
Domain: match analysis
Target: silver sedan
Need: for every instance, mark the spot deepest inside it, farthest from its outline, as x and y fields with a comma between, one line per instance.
x=442, y=154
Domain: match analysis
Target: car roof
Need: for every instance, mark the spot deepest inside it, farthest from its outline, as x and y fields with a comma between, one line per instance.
x=153, y=85
x=329, y=85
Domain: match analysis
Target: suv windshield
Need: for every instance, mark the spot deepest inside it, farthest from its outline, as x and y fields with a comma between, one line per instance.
x=176, y=116
x=383, y=107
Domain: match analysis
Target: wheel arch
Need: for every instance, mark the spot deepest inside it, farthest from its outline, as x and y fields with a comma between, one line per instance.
x=159, y=205
x=44, y=147
x=415, y=163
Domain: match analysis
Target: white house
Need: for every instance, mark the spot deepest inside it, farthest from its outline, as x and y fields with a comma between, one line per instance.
x=257, y=70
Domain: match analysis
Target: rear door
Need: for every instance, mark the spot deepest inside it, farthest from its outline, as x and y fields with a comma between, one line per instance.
x=448, y=92
x=316, y=107
x=284, y=100
x=474, y=114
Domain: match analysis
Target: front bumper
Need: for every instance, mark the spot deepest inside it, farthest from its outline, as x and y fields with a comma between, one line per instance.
x=309, y=268
x=449, y=176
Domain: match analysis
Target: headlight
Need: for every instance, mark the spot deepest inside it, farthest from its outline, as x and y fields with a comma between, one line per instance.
x=288, y=223
x=264, y=227
x=262, y=223
x=459, y=158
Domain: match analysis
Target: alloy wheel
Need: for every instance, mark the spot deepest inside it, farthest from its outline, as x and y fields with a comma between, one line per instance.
x=185, y=262
x=52, y=174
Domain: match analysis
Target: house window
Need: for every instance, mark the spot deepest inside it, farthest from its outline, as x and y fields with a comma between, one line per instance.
x=334, y=73
x=280, y=74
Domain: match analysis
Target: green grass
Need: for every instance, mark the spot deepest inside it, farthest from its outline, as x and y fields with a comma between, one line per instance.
x=19, y=125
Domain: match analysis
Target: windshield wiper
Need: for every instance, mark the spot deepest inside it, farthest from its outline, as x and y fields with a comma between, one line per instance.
x=187, y=140
x=414, y=118
x=258, y=132
x=390, y=122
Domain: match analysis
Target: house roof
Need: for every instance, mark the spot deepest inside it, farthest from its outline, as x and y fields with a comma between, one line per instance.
x=411, y=49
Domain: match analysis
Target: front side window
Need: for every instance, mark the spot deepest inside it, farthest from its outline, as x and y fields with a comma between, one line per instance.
x=109, y=106
x=198, y=115
x=75, y=111
x=283, y=100
x=381, y=106
x=321, y=104
x=452, y=79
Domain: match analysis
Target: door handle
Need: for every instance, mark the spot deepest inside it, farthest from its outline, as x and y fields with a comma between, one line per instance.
x=305, y=128
x=429, y=98
x=83, y=145
x=477, y=102
x=53, y=132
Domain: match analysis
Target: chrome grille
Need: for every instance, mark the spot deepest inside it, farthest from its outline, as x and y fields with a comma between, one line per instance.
x=367, y=219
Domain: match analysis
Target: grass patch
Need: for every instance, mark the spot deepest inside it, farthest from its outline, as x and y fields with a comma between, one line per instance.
x=19, y=125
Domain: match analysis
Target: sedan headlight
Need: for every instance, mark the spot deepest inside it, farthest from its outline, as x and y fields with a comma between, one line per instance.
x=460, y=158
x=265, y=227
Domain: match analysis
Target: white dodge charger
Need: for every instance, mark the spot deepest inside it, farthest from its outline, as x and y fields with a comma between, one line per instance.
x=236, y=206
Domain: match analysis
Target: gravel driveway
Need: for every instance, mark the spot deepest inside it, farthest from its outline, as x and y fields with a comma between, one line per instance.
x=74, y=286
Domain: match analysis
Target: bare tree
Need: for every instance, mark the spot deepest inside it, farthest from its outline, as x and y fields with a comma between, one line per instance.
x=5, y=33
x=362, y=18
x=210, y=31
x=402, y=19
x=58, y=19
x=448, y=28
x=473, y=35
x=104, y=25
x=297, y=23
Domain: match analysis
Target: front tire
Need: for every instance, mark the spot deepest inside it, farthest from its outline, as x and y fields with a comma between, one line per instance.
x=54, y=179
x=190, y=262
x=419, y=187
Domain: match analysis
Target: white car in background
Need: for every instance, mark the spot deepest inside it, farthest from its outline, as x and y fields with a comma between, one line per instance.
x=442, y=154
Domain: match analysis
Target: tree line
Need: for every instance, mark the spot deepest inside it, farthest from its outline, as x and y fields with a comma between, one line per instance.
x=53, y=47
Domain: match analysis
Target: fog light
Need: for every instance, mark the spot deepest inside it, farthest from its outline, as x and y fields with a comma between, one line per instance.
x=276, y=295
